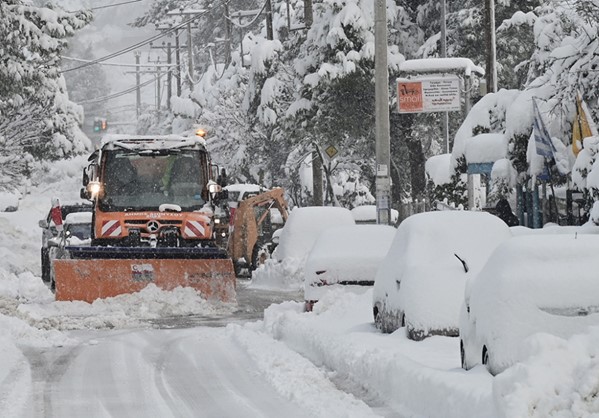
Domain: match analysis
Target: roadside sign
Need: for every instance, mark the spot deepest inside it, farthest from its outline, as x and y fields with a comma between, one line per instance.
x=331, y=152
x=431, y=94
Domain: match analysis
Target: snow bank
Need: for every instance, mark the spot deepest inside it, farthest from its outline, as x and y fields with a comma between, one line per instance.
x=418, y=379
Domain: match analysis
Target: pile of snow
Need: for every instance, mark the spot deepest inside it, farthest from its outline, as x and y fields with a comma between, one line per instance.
x=123, y=311
x=558, y=377
x=9, y=201
x=285, y=269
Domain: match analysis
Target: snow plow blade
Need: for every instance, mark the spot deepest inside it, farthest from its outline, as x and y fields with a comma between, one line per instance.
x=101, y=272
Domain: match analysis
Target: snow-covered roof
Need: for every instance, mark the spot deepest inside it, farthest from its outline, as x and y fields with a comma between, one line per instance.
x=486, y=148
x=150, y=142
x=78, y=218
x=243, y=187
x=431, y=65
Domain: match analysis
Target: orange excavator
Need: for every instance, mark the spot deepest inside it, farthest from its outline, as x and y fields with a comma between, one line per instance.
x=155, y=207
x=251, y=227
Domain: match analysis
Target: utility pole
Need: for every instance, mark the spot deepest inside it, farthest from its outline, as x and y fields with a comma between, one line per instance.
x=166, y=47
x=383, y=147
x=269, y=31
x=158, y=87
x=190, y=15
x=137, y=80
x=156, y=72
x=178, y=62
x=308, y=14
x=243, y=14
x=189, y=56
x=445, y=123
x=227, y=36
x=318, y=198
x=169, y=83
x=491, y=70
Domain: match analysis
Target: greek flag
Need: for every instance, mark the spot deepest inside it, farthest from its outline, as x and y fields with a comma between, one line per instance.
x=543, y=142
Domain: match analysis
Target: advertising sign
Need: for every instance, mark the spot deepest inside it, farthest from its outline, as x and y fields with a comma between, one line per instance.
x=439, y=94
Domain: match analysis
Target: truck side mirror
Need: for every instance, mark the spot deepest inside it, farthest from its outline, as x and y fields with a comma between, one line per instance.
x=43, y=223
x=84, y=194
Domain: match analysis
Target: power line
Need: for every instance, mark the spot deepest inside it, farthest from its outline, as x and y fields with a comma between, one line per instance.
x=114, y=5
x=116, y=64
x=119, y=94
x=145, y=42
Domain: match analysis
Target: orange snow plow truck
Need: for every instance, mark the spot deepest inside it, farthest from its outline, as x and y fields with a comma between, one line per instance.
x=155, y=208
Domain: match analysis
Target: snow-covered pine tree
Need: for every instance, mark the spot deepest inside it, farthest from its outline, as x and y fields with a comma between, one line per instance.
x=30, y=76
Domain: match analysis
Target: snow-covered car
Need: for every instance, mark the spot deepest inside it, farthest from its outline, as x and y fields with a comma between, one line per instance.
x=77, y=228
x=366, y=214
x=530, y=284
x=347, y=257
x=421, y=282
x=49, y=231
x=303, y=227
x=285, y=269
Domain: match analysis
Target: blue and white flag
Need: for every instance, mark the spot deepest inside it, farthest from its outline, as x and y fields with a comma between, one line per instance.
x=543, y=142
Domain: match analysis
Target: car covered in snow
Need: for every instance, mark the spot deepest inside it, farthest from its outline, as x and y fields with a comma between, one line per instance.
x=530, y=284
x=346, y=257
x=49, y=231
x=285, y=268
x=303, y=227
x=76, y=231
x=421, y=282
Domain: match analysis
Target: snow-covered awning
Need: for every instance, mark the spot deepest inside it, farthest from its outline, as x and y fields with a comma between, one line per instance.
x=432, y=65
x=486, y=148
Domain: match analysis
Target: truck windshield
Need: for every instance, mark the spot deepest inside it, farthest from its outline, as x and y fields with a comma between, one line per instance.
x=146, y=180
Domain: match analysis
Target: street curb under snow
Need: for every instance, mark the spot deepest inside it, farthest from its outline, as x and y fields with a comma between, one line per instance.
x=296, y=378
x=405, y=384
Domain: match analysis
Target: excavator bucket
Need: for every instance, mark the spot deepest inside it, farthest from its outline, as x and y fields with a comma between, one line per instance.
x=101, y=272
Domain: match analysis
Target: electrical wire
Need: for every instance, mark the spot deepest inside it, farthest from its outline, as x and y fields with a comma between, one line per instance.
x=240, y=26
x=117, y=64
x=146, y=41
x=118, y=94
x=114, y=5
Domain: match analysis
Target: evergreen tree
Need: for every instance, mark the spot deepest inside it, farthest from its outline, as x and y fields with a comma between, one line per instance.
x=30, y=77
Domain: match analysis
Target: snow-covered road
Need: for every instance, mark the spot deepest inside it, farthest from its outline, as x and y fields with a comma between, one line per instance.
x=197, y=372
x=157, y=353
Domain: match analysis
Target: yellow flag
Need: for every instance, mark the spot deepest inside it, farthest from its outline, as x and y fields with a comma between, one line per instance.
x=582, y=125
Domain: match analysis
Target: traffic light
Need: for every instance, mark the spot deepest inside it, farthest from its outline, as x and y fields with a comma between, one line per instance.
x=100, y=124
